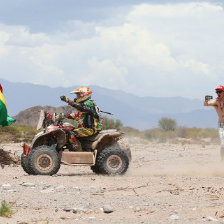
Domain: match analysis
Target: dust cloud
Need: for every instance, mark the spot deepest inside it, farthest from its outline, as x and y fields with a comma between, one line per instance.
x=212, y=169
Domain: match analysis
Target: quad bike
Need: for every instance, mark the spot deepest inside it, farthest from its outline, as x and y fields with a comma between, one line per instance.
x=106, y=152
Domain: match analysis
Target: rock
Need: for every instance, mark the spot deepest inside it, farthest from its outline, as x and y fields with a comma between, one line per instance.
x=79, y=210
x=60, y=188
x=28, y=184
x=54, y=175
x=6, y=186
x=174, y=217
x=11, y=190
x=49, y=190
x=107, y=209
x=137, y=209
x=67, y=209
x=209, y=218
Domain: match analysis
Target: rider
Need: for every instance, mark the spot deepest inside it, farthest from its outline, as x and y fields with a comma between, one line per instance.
x=87, y=115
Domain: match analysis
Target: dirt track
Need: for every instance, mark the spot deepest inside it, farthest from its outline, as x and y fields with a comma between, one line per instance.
x=166, y=183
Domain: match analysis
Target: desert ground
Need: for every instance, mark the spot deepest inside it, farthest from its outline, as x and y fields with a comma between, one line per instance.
x=165, y=183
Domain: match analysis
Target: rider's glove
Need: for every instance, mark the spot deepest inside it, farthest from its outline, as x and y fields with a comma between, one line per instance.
x=49, y=116
x=64, y=98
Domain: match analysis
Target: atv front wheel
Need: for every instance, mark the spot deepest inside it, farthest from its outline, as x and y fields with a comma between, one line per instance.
x=112, y=161
x=24, y=164
x=44, y=160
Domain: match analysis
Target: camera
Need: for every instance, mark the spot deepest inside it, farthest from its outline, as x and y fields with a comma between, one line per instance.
x=208, y=97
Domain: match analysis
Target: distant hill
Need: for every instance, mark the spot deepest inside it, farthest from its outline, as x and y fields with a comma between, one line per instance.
x=30, y=116
x=132, y=110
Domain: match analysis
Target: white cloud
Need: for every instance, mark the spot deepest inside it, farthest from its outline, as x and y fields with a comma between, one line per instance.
x=105, y=71
x=196, y=67
x=173, y=11
x=157, y=50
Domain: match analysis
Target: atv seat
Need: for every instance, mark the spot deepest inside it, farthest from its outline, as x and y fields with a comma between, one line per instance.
x=95, y=137
x=91, y=138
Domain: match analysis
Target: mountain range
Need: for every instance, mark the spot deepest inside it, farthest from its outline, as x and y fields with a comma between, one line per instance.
x=132, y=110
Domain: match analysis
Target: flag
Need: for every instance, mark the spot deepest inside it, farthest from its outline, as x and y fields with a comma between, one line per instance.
x=5, y=120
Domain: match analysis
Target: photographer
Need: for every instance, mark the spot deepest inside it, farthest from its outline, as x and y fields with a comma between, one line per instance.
x=218, y=104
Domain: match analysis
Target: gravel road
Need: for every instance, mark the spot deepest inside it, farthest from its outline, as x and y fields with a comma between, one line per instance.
x=165, y=183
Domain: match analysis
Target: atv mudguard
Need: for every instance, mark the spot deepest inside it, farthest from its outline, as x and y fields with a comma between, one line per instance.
x=106, y=138
x=41, y=138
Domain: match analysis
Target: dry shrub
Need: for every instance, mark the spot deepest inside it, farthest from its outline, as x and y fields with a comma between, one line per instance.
x=131, y=131
x=198, y=134
x=181, y=135
x=8, y=158
x=17, y=134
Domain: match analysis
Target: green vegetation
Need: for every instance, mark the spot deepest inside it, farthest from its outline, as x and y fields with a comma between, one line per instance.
x=111, y=124
x=167, y=124
x=17, y=133
x=169, y=131
x=6, y=209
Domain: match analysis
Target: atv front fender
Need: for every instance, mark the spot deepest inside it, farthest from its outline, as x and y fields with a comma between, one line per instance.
x=42, y=138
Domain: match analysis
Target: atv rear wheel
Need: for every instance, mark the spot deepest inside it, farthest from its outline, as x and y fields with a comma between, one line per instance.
x=112, y=161
x=44, y=160
x=24, y=164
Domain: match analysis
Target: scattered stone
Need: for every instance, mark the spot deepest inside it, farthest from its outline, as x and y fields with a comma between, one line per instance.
x=64, y=218
x=19, y=203
x=209, y=218
x=107, y=209
x=11, y=190
x=92, y=217
x=28, y=184
x=46, y=191
x=174, y=217
x=67, y=209
x=25, y=205
x=6, y=186
x=61, y=187
x=79, y=210
x=137, y=209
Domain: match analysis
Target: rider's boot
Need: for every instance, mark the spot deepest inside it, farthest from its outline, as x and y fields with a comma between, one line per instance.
x=75, y=144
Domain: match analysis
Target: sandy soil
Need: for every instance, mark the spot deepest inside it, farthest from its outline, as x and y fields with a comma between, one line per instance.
x=165, y=183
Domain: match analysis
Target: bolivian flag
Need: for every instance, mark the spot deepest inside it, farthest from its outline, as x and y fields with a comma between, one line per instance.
x=5, y=120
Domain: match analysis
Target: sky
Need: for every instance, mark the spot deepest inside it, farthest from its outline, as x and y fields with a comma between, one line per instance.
x=148, y=48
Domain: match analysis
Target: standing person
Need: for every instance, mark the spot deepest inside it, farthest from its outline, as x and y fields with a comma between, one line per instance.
x=218, y=104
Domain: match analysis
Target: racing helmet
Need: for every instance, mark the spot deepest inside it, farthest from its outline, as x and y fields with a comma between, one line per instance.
x=82, y=93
